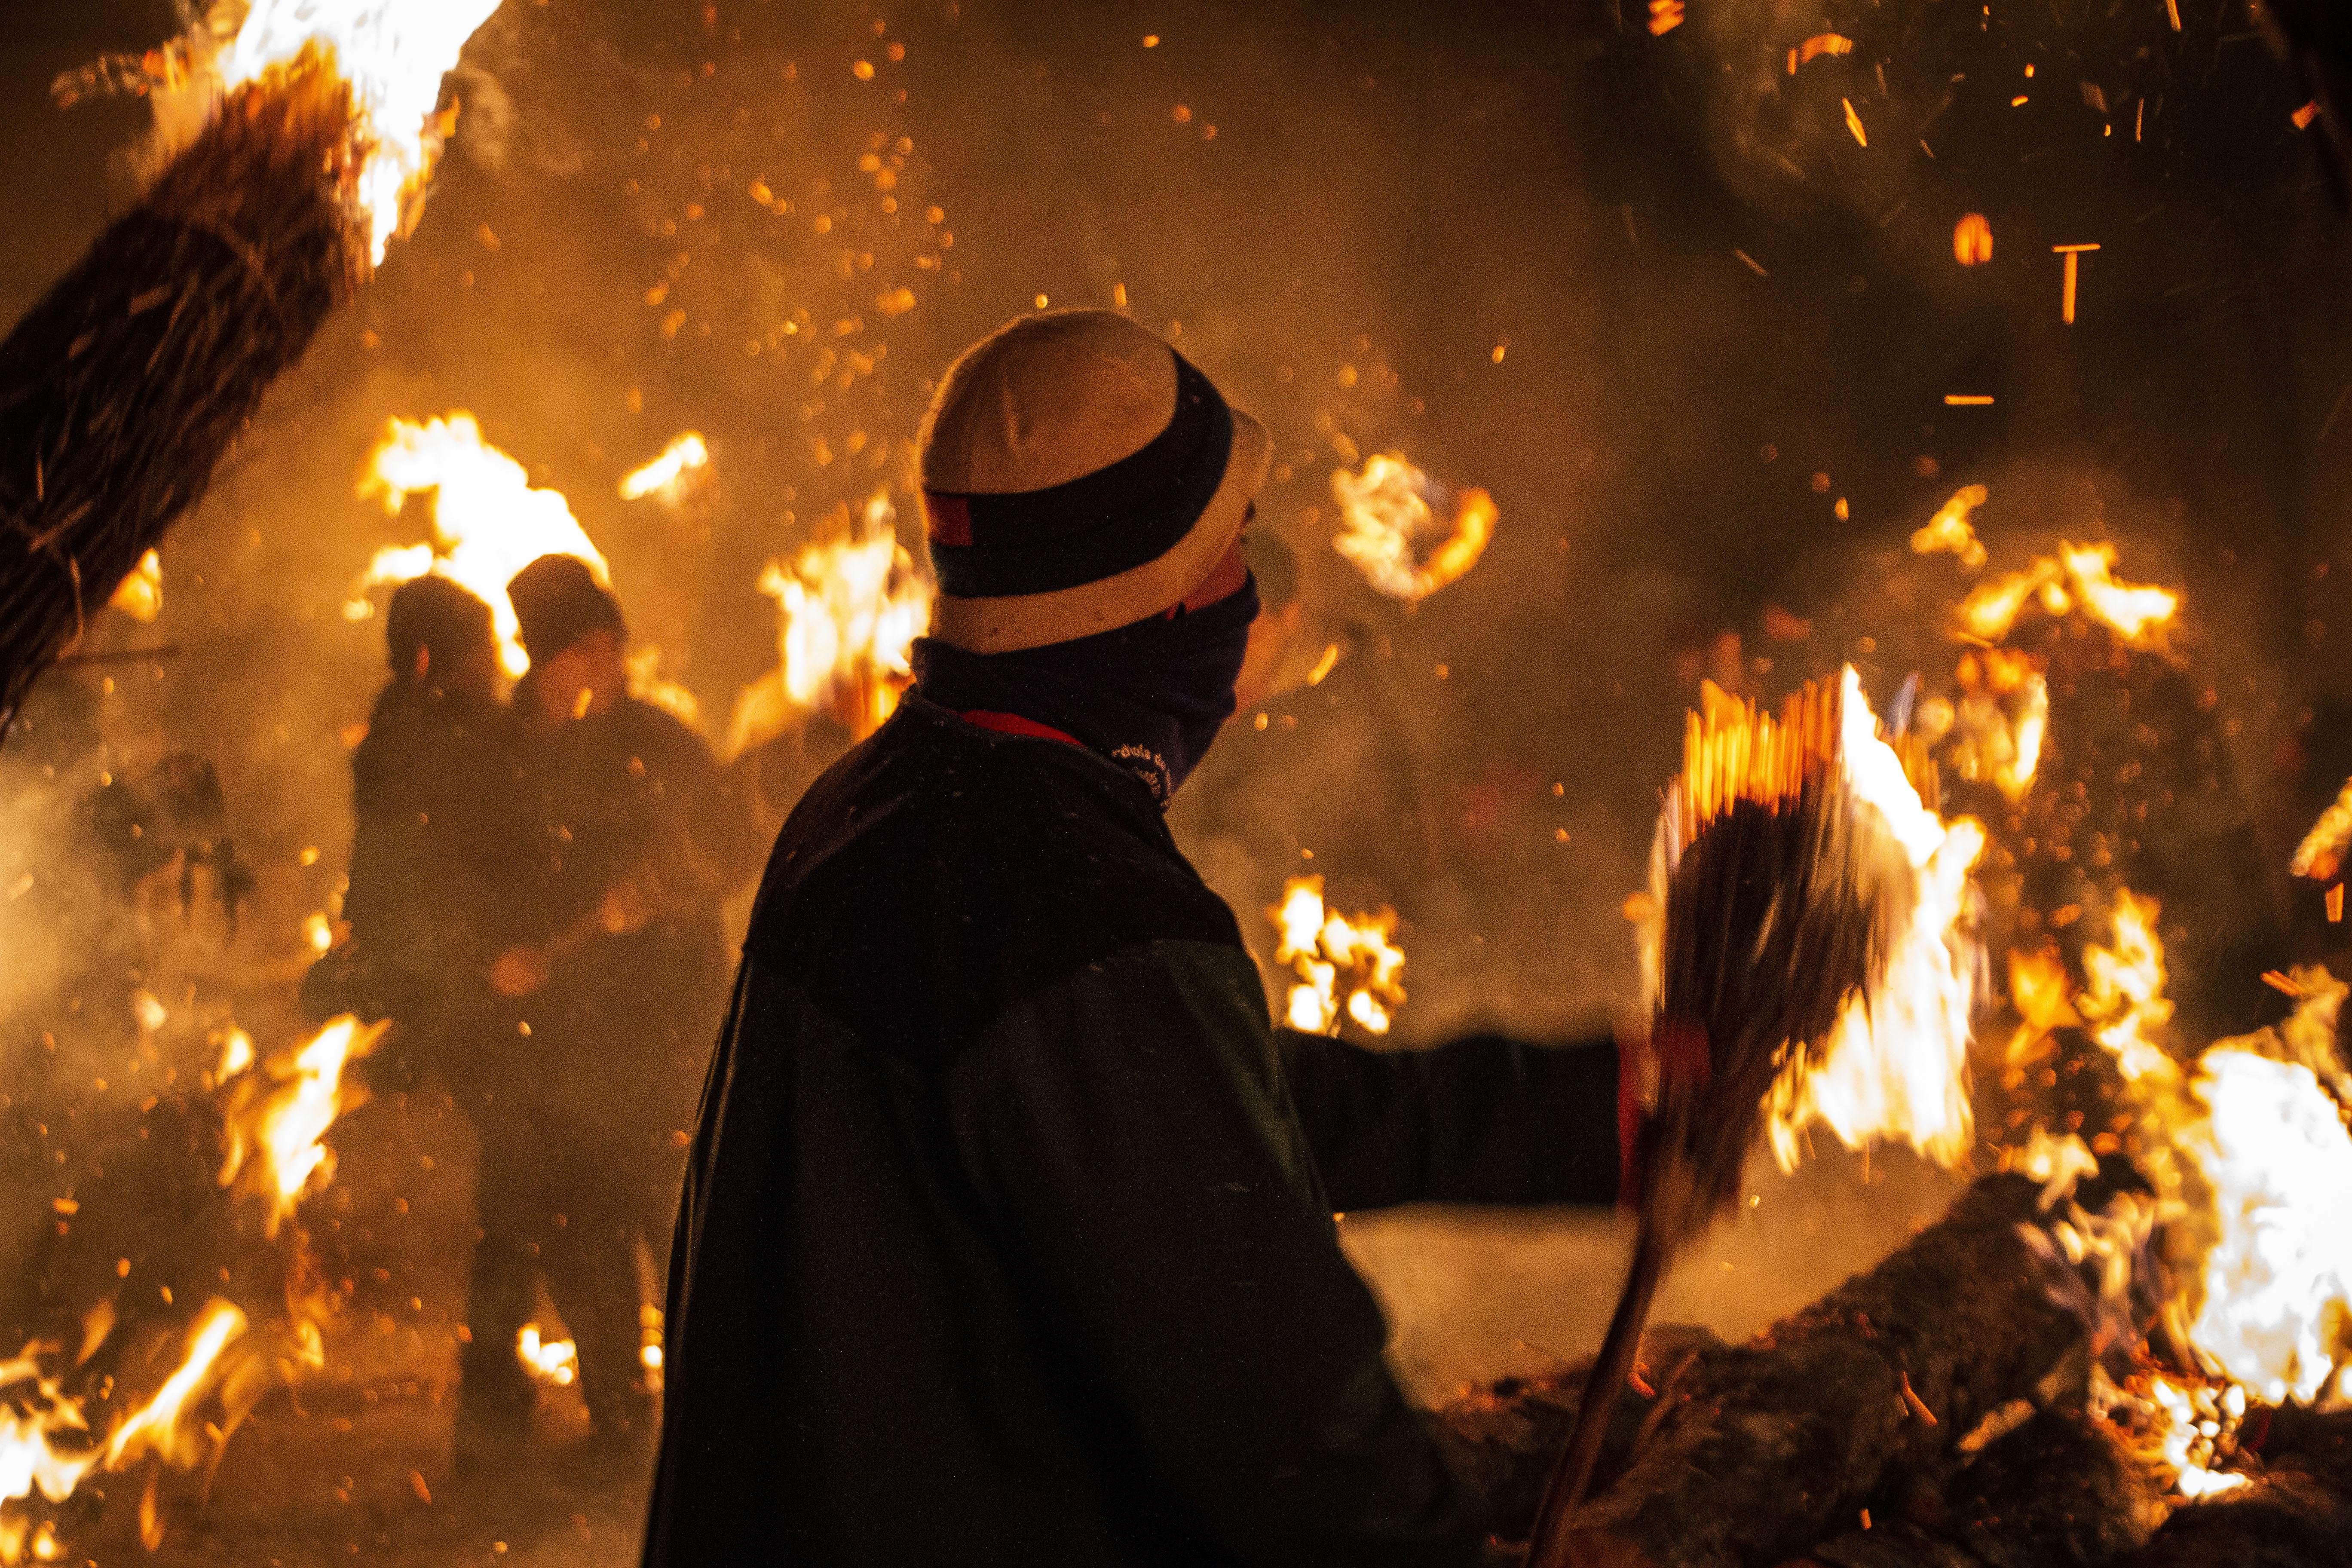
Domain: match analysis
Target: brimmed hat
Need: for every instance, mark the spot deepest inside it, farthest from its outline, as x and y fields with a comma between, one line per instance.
x=1077, y=475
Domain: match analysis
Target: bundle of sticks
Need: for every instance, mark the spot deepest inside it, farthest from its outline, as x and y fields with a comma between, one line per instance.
x=122, y=390
x=1778, y=892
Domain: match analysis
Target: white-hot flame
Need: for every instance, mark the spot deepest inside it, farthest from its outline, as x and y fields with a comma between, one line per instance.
x=1343, y=965
x=555, y=1362
x=1389, y=530
x=1896, y=1062
x=488, y=521
x=670, y=474
x=45, y=1444
x=2277, y=1309
x=393, y=53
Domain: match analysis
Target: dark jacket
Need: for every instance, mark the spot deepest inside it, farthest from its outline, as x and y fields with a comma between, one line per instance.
x=631, y=796
x=436, y=852
x=1008, y=1231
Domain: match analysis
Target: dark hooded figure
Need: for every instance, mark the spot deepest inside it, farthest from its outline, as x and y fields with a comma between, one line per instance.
x=1008, y=1234
x=617, y=970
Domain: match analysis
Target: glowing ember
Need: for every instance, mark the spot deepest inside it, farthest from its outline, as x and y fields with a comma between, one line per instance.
x=1346, y=966
x=1972, y=240
x=1387, y=521
x=672, y=475
x=2080, y=577
x=393, y=53
x=1949, y=529
x=554, y=1362
x=1820, y=44
x=1897, y=1065
x=848, y=610
x=2321, y=854
x=140, y=595
x=488, y=523
x=276, y=1117
x=2192, y=1420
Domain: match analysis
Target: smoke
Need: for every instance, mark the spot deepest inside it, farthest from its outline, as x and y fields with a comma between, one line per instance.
x=1510, y=245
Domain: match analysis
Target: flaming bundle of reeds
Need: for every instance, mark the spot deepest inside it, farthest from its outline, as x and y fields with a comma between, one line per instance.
x=122, y=390
x=1775, y=891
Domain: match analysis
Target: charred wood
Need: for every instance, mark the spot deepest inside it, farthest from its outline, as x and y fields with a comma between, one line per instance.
x=2060, y=1491
x=1762, y=1451
x=1503, y=1439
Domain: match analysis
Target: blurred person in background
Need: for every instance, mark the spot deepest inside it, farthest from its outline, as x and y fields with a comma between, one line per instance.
x=432, y=838
x=1008, y=1236
x=618, y=968
x=438, y=853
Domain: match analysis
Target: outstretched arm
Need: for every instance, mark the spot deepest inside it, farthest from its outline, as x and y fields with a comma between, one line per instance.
x=1485, y=1120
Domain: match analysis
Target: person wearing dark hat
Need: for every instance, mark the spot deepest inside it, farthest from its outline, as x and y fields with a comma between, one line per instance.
x=617, y=971
x=427, y=781
x=1008, y=1233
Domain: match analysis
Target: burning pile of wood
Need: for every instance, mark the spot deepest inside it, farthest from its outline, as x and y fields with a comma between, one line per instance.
x=1943, y=1410
x=2128, y=1347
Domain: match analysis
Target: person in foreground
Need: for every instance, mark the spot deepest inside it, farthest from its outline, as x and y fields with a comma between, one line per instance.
x=1008, y=1231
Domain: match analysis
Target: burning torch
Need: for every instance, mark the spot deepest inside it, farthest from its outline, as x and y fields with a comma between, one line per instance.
x=1804, y=949
x=120, y=391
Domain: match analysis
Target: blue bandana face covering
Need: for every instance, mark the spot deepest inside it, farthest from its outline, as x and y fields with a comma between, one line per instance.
x=1151, y=696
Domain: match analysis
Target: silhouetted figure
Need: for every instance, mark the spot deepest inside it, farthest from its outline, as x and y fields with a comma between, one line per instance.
x=619, y=976
x=434, y=844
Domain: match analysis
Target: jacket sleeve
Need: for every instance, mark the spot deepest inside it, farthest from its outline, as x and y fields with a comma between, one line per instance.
x=1128, y=1133
x=1484, y=1120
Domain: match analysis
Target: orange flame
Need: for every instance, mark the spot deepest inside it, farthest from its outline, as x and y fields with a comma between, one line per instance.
x=1385, y=518
x=1950, y=530
x=672, y=475
x=848, y=610
x=488, y=521
x=1346, y=966
x=276, y=1114
x=140, y=595
x=394, y=55
x=2321, y=854
x=160, y=1426
x=2079, y=577
x=2251, y=1152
